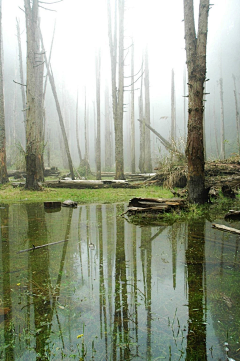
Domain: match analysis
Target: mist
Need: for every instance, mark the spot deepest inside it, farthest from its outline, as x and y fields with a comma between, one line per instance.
x=81, y=32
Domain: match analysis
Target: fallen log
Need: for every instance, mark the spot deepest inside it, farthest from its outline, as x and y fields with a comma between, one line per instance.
x=44, y=245
x=91, y=184
x=154, y=205
x=232, y=215
x=221, y=227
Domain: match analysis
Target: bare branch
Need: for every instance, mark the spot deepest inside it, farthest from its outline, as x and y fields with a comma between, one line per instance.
x=19, y=83
x=54, y=2
x=126, y=86
x=46, y=8
x=35, y=66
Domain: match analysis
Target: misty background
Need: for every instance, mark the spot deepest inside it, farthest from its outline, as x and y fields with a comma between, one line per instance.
x=81, y=32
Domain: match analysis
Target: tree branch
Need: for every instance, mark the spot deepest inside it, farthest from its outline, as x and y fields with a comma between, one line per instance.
x=19, y=83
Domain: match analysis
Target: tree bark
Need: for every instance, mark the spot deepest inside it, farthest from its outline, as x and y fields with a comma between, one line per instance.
x=34, y=136
x=196, y=64
x=3, y=158
x=117, y=93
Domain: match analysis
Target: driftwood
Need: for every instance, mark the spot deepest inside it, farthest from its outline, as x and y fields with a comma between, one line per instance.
x=154, y=205
x=221, y=227
x=44, y=245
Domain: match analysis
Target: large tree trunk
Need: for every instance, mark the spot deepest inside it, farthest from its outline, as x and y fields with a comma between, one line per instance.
x=196, y=64
x=117, y=93
x=3, y=161
x=34, y=137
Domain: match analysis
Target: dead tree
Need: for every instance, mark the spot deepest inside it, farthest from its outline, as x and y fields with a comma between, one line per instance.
x=98, y=140
x=196, y=65
x=3, y=158
x=34, y=107
x=148, y=160
x=117, y=48
x=222, y=120
x=60, y=117
x=133, y=156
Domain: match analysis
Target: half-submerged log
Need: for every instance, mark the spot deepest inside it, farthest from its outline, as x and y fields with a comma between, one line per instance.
x=221, y=227
x=155, y=205
x=44, y=245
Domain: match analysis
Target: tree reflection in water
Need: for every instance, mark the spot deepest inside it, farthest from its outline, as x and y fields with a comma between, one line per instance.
x=195, y=259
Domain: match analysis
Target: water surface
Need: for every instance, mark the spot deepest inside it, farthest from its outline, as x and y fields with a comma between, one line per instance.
x=113, y=290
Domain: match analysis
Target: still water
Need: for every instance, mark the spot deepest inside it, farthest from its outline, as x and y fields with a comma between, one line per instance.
x=114, y=290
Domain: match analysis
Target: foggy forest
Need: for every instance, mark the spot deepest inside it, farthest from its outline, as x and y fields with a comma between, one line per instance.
x=76, y=50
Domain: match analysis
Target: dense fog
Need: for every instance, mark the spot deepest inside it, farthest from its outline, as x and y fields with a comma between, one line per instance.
x=81, y=32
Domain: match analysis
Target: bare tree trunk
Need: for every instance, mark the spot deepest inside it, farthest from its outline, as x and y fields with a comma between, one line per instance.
x=215, y=131
x=222, y=120
x=184, y=107
x=237, y=112
x=148, y=160
x=34, y=138
x=108, y=140
x=117, y=93
x=133, y=156
x=173, y=110
x=77, y=134
x=21, y=70
x=54, y=91
x=98, y=140
x=3, y=158
x=142, y=133
x=196, y=64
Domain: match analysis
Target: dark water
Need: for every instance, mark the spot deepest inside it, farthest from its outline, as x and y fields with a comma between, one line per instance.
x=115, y=291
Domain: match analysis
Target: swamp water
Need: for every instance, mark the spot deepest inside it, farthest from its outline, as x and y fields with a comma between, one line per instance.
x=113, y=290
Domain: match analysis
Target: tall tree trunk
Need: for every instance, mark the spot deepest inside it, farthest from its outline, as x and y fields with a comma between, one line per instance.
x=117, y=93
x=173, y=111
x=98, y=140
x=77, y=135
x=237, y=113
x=34, y=139
x=184, y=106
x=133, y=156
x=21, y=70
x=196, y=64
x=108, y=137
x=3, y=158
x=60, y=117
x=142, y=132
x=222, y=120
x=148, y=160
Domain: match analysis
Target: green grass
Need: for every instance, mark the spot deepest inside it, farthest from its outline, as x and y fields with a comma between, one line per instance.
x=8, y=194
